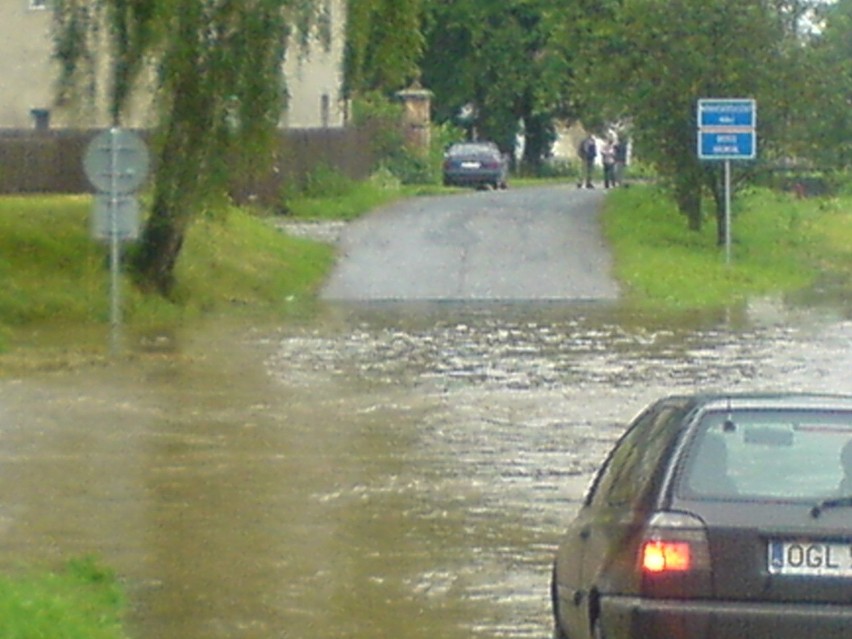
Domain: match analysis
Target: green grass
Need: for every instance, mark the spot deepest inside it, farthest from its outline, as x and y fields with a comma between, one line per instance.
x=330, y=196
x=833, y=228
x=84, y=601
x=53, y=272
x=780, y=244
x=237, y=262
x=48, y=264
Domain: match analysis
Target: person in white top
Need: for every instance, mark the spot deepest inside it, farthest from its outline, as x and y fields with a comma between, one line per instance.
x=608, y=159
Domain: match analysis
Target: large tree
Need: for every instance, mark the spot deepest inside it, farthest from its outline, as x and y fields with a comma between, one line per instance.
x=384, y=42
x=658, y=57
x=217, y=69
x=494, y=62
x=825, y=115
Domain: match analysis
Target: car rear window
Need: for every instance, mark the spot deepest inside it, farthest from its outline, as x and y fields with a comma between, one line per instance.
x=770, y=455
x=472, y=149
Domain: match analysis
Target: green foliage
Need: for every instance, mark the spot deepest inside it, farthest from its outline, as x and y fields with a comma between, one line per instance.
x=651, y=60
x=325, y=181
x=778, y=244
x=410, y=166
x=496, y=58
x=383, y=45
x=82, y=602
x=383, y=117
x=822, y=117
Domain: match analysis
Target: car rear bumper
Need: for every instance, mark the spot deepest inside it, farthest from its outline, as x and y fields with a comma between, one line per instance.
x=633, y=617
x=469, y=178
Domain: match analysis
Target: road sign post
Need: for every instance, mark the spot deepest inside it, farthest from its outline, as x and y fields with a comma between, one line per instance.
x=116, y=163
x=726, y=132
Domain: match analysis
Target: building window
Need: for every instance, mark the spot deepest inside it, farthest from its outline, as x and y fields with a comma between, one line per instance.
x=41, y=119
x=325, y=110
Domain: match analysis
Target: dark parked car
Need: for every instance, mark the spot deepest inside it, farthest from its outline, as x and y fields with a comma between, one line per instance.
x=716, y=517
x=477, y=164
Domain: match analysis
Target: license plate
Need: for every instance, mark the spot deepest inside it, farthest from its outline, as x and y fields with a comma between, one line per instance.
x=471, y=165
x=810, y=558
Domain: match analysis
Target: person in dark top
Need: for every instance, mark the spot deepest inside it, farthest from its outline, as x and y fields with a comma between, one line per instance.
x=588, y=153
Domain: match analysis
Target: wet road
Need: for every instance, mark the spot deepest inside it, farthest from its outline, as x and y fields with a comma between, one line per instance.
x=390, y=471
x=522, y=244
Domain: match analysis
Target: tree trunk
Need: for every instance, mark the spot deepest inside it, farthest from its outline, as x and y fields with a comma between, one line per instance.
x=721, y=221
x=154, y=261
x=715, y=181
x=688, y=198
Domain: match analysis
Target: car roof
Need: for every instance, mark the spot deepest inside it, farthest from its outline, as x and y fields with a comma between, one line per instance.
x=764, y=400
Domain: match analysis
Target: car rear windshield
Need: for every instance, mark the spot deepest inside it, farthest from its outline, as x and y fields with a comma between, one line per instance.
x=472, y=149
x=770, y=455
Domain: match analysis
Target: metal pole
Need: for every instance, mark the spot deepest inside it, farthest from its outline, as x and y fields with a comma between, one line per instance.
x=115, y=248
x=728, y=212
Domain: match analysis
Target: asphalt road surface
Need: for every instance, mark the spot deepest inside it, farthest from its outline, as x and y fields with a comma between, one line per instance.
x=540, y=243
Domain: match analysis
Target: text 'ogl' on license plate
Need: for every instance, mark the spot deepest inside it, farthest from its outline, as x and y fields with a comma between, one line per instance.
x=810, y=558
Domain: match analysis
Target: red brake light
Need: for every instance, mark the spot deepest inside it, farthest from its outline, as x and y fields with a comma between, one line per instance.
x=666, y=556
x=673, y=558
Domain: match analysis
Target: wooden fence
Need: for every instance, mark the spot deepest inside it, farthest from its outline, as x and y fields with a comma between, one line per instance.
x=52, y=161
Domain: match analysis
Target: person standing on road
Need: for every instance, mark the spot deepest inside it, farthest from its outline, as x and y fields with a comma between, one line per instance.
x=588, y=152
x=608, y=159
x=620, y=161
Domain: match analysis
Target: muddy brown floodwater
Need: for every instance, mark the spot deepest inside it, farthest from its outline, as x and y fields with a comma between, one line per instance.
x=386, y=471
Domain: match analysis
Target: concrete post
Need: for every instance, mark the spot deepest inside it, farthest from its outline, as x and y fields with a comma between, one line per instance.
x=417, y=103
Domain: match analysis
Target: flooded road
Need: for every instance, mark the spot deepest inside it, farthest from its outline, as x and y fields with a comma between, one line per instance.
x=391, y=470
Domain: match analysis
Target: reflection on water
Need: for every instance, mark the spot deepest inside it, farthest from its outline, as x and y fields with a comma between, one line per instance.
x=393, y=471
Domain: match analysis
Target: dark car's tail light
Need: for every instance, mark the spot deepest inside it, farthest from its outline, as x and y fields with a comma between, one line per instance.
x=666, y=556
x=674, y=556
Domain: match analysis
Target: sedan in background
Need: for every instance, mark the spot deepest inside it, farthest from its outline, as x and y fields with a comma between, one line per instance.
x=716, y=517
x=478, y=164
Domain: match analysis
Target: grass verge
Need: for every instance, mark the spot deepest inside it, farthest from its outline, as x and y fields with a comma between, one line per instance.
x=84, y=601
x=54, y=274
x=780, y=244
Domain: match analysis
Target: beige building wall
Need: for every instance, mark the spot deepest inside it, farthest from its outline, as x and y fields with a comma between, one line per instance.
x=315, y=78
x=26, y=71
x=28, y=75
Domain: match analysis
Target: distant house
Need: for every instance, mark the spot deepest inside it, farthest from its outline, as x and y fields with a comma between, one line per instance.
x=28, y=75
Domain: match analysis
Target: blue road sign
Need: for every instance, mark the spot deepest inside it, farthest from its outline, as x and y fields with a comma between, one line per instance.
x=727, y=145
x=726, y=129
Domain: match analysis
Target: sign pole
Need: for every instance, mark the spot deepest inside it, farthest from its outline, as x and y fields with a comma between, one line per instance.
x=116, y=163
x=115, y=249
x=728, y=212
